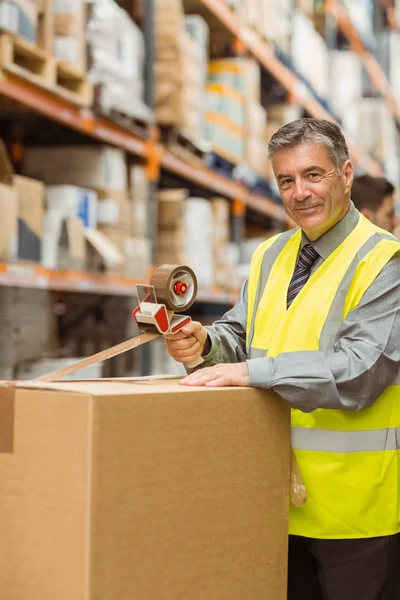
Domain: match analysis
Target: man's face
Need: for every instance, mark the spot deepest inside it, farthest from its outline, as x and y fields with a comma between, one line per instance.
x=314, y=195
x=384, y=217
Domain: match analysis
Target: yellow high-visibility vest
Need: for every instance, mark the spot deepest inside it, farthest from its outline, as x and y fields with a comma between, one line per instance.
x=350, y=461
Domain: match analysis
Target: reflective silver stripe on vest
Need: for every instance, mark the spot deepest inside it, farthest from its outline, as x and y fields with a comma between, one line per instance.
x=257, y=353
x=325, y=440
x=335, y=315
x=269, y=258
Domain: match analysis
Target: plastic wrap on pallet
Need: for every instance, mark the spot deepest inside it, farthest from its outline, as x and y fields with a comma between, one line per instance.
x=116, y=57
x=19, y=16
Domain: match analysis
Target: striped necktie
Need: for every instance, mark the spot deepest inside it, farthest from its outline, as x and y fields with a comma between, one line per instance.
x=302, y=272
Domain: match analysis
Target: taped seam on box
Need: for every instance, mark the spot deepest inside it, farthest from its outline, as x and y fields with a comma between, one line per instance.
x=7, y=418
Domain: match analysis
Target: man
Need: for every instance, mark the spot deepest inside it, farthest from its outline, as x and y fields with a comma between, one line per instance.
x=318, y=322
x=374, y=198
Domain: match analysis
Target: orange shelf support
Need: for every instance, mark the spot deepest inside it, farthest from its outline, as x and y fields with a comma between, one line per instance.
x=238, y=208
x=37, y=277
x=65, y=112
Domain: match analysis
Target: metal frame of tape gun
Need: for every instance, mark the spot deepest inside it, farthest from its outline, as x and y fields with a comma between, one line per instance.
x=171, y=291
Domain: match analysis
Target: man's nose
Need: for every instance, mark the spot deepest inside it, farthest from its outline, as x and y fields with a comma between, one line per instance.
x=300, y=191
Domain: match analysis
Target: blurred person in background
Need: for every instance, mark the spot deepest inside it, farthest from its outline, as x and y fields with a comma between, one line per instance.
x=318, y=322
x=374, y=198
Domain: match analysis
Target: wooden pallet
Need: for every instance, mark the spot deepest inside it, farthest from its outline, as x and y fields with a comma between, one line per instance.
x=136, y=125
x=73, y=84
x=24, y=59
x=185, y=145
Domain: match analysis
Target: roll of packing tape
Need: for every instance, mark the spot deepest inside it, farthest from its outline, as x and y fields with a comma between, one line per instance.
x=175, y=286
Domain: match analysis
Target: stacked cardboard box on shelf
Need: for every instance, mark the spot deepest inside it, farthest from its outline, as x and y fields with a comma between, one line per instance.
x=226, y=253
x=90, y=199
x=180, y=67
x=69, y=24
x=140, y=254
x=270, y=19
x=232, y=90
x=21, y=213
x=255, y=150
x=185, y=227
x=198, y=31
x=115, y=60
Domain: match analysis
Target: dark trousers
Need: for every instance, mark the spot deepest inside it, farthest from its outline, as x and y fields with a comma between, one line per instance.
x=365, y=569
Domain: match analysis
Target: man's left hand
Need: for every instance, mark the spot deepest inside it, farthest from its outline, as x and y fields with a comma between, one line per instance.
x=223, y=375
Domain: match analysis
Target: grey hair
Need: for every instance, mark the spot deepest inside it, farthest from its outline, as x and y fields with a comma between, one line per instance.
x=311, y=131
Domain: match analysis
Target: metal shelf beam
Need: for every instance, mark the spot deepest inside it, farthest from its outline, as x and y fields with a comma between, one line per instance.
x=37, y=277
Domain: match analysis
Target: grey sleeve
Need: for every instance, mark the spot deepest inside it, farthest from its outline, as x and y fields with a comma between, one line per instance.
x=364, y=361
x=227, y=336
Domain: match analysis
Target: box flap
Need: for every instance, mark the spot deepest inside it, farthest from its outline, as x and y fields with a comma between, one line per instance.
x=109, y=253
x=6, y=168
x=114, y=387
x=76, y=238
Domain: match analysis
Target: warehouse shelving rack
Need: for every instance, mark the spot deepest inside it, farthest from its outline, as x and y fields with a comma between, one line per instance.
x=371, y=65
x=159, y=158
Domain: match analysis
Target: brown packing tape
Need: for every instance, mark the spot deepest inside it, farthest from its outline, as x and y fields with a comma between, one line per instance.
x=7, y=415
x=69, y=25
x=100, y=356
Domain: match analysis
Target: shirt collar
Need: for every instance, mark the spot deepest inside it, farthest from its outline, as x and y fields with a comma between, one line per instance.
x=328, y=242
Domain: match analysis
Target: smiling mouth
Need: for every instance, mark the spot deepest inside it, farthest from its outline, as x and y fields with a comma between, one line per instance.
x=305, y=208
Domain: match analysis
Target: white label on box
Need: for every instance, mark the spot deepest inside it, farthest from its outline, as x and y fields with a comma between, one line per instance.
x=9, y=17
x=66, y=48
x=67, y=7
x=107, y=211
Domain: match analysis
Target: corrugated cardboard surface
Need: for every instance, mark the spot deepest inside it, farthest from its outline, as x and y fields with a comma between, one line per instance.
x=31, y=194
x=145, y=490
x=8, y=222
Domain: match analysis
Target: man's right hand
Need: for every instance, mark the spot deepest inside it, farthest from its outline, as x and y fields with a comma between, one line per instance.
x=186, y=345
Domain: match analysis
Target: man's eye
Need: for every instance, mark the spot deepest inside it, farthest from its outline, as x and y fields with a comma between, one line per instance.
x=314, y=175
x=286, y=182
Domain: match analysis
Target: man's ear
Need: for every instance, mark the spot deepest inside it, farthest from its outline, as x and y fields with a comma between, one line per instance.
x=348, y=175
x=368, y=213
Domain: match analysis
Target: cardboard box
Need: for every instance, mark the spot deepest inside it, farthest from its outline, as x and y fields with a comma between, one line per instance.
x=102, y=167
x=114, y=211
x=31, y=197
x=69, y=32
x=73, y=202
x=144, y=489
x=8, y=209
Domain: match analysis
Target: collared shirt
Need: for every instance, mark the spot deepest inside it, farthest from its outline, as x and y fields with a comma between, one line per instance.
x=350, y=376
